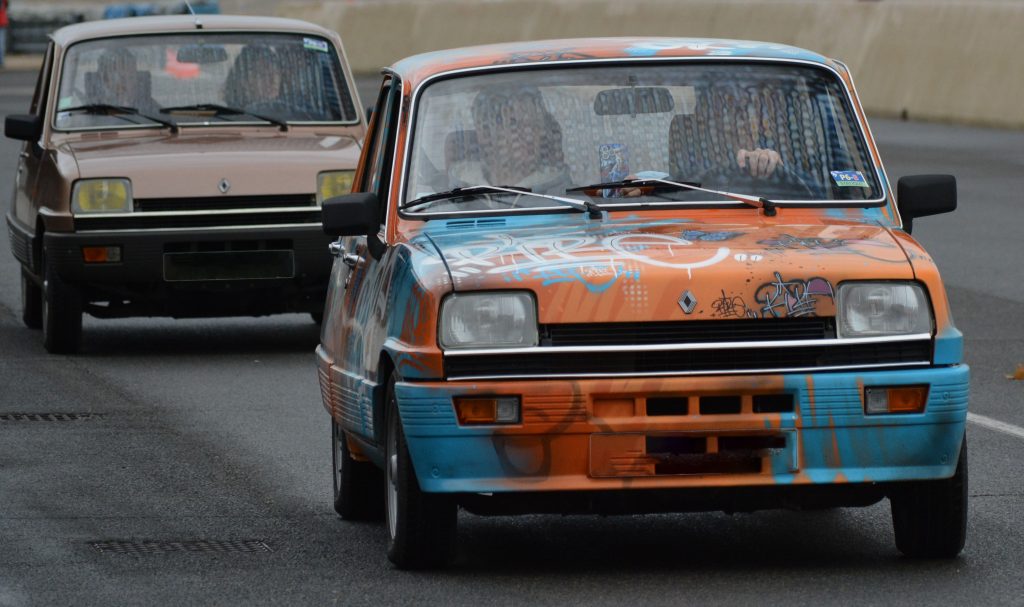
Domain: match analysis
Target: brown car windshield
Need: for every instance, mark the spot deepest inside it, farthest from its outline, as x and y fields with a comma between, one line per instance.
x=202, y=78
x=786, y=132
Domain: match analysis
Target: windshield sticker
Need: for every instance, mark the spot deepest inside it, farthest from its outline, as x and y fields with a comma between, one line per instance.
x=614, y=164
x=312, y=44
x=849, y=179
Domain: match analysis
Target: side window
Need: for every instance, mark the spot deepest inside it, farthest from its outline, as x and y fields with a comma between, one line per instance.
x=381, y=144
x=38, y=106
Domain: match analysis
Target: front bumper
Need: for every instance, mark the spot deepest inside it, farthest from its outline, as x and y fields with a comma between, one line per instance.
x=140, y=275
x=588, y=435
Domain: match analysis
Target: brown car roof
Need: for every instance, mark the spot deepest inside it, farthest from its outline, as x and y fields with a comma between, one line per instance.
x=181, y=23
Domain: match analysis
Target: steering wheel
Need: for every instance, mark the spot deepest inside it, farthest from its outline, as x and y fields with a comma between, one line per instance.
x=783, y=178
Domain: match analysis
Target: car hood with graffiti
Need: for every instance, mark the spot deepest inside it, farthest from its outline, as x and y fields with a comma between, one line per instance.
x=640, y=270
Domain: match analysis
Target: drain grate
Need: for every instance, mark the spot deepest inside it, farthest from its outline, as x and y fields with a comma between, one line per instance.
x=48, y=417
x=156, y=547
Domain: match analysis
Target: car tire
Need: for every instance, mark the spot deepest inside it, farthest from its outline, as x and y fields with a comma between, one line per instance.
x=358, y=494
x=929, y=518
x=422, y=527
x=61, y=314
x=31, y=301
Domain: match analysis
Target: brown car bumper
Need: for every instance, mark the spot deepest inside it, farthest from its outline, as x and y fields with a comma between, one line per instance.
x=221, y=272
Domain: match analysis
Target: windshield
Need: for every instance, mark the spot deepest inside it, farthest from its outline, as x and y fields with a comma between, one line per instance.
x=288, y=77
x=785, y=132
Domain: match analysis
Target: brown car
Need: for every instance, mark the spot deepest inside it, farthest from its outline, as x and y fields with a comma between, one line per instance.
x=169, y=168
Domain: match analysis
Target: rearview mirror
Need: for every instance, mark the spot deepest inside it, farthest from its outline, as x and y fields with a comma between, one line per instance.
x=351, y=215
x=921, y=195
x=202, y=54
x=634, y=100
x=25, y=127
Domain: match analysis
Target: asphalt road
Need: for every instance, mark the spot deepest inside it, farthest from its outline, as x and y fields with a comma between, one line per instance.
x=213, y=430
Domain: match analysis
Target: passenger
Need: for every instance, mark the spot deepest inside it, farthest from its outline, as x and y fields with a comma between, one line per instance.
x=519, y=141
x=118, y=81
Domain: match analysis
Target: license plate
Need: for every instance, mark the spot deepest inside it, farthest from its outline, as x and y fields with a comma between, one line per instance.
x=228, y=265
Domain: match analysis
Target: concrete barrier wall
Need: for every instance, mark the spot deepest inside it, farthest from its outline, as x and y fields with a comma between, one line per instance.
x=950, y=61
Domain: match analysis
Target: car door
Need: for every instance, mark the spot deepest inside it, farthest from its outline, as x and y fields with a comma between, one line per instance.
x=32, y=156
x=356, y=322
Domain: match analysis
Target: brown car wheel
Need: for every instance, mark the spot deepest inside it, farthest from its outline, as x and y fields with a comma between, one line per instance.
x=31, y=302
x=929, y=518
x=422, y=527
x=358, y=494
x=62, y=314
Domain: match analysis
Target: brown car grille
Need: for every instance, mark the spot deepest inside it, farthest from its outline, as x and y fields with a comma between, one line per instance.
x=218, y=203
x=688, y=361
x=696, y=331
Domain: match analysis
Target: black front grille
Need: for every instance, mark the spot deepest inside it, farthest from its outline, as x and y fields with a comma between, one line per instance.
x=688, y=361
x=694, y=331
x=217, y=203
x=141, y=221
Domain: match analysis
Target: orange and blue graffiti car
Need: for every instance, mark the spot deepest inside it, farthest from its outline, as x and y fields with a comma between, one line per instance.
x=636, y=275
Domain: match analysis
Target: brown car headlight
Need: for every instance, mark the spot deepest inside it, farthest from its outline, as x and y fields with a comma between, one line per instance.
x=101, y=196
x=333, y=183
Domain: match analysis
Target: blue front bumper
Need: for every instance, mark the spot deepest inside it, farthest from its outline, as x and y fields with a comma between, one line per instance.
x=564, y=443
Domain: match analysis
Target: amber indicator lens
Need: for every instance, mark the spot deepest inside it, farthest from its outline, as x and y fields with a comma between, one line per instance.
x=101, y=254
x=487, y=410
x=901, y=399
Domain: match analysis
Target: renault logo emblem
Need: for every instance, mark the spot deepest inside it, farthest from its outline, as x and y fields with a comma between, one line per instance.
x=224, y=186
x=687, y=302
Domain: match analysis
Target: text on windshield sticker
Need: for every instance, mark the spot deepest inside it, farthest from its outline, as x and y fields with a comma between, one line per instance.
x=849, y=179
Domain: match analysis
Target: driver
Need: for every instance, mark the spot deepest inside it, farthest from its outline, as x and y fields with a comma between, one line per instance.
x=254, y=83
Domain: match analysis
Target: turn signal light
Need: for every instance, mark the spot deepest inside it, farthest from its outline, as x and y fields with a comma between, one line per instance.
x=487, y=410
x=101, y=254
x=901, y=399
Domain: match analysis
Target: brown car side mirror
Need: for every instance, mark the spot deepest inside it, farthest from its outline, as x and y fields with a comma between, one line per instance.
x=25, y=127
x=921, y=195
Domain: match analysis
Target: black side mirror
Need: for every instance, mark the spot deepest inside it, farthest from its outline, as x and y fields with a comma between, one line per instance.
x=920, y=195
x=351, y=215
x=26, y=127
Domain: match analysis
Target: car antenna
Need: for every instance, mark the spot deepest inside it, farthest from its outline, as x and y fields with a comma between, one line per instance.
x=199, y=24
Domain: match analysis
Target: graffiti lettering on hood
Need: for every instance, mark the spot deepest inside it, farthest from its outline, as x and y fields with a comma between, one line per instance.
x=593, y=260
x=731, y=306
x=782, y=298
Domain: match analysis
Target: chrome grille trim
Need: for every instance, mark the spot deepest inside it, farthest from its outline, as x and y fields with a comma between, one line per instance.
x=200, y=213
x=923, y=363
x=737, y=345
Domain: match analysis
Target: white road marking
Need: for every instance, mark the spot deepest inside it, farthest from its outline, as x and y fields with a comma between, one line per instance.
x=995, y=424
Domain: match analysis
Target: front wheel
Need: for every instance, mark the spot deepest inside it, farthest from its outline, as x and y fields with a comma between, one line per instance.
x=929, y=518
x=422, y=527
x=357, y=485
x=62, y=314
x=31, y=302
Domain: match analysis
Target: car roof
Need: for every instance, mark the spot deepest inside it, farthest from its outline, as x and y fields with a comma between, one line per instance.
x=418, y=68
x=108, y=28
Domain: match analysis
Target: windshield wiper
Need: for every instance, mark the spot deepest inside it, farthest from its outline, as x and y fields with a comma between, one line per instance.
x=218, y=109
x=119, y=110
x=473, y=190
x=758, y=202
